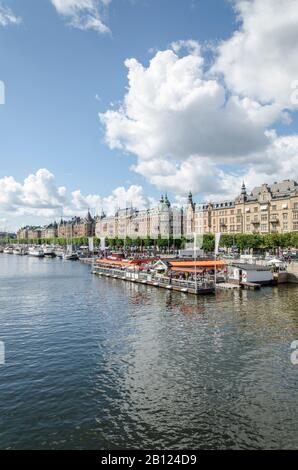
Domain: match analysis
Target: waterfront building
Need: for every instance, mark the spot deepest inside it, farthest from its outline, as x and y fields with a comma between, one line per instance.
x=77, y=227
x=50, y=231
x=267, y=209
x=161, y=221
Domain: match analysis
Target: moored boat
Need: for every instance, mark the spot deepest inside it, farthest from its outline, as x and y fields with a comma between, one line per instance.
x=19, y=251
x=49, y=252
x=8, y=250
x=36, y=252
x=71, y=256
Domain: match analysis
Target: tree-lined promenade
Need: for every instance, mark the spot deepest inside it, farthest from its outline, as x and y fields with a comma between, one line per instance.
x=272, y=241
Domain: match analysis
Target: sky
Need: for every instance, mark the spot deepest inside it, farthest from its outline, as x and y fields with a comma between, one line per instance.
x=107, y=103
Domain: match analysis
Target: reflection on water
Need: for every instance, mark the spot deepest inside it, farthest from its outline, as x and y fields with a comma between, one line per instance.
x=104, y=364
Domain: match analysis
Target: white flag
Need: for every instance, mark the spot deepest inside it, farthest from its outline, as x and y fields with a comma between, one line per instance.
x=91, y=244
x=217, y=240
x=102, y=243
x=198, y=241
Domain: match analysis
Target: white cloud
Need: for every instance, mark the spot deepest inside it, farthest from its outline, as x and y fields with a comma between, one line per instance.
x=7, y=17
x=260, y=59
x=40, y=196
x=119, y=198
x=172, y=111
x=83, y=14
x=183, y=125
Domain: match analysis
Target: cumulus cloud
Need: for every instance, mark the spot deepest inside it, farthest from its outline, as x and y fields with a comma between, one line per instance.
x=118, y=199
x=40, y=196
x=202, y=126
x=183, y=124
x=172, y=111
x=260, y=59
x=83, y=14
x=7, y=17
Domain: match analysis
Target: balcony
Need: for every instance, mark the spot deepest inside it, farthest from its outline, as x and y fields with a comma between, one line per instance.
x=255, y=222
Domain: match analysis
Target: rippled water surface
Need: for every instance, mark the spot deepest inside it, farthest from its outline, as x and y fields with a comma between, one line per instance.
x=102, y=364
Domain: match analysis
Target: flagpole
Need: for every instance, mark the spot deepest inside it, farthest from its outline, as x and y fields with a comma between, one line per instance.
x=195, y=253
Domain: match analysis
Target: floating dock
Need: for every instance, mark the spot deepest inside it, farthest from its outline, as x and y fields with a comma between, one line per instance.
x=201, y=287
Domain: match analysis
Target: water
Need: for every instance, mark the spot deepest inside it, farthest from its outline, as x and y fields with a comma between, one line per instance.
x=94, y=363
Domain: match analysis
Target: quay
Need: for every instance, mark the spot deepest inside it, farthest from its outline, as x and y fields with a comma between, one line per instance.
x=147, y=273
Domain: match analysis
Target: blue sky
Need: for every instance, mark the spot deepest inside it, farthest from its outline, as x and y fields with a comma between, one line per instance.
x=59, y=77
x=53, y=73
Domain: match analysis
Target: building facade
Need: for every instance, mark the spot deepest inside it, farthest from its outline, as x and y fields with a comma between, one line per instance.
x=77, y=227
x=162, y=221
x=267, y=209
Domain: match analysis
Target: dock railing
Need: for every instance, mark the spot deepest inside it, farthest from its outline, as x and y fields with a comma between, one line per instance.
x=154, y=278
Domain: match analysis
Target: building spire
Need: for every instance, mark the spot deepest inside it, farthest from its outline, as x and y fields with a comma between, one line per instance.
x=243, y=189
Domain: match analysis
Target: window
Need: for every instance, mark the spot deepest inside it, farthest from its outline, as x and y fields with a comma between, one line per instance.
x=264, y=228
x=295, y=226
x=295, y=215
x=238, y=219
x=295, y=205
x=255, y=209
x=274, y=208
x=238, y=211
x=285, y=216
x=285, y=226
x=264, y=217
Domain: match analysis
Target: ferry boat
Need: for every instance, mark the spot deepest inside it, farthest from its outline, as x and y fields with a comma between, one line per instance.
x=36, y=252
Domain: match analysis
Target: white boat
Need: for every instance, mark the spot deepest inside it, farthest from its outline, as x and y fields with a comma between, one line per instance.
x=8, y=250
x=49, y=252
x=36, y=251
x=19, y=251
x=59, y=253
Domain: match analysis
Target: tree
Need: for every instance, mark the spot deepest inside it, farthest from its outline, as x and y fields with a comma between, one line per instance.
x=208, y=242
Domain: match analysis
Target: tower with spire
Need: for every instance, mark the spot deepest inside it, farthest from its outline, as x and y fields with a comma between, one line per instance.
x=243, y=195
